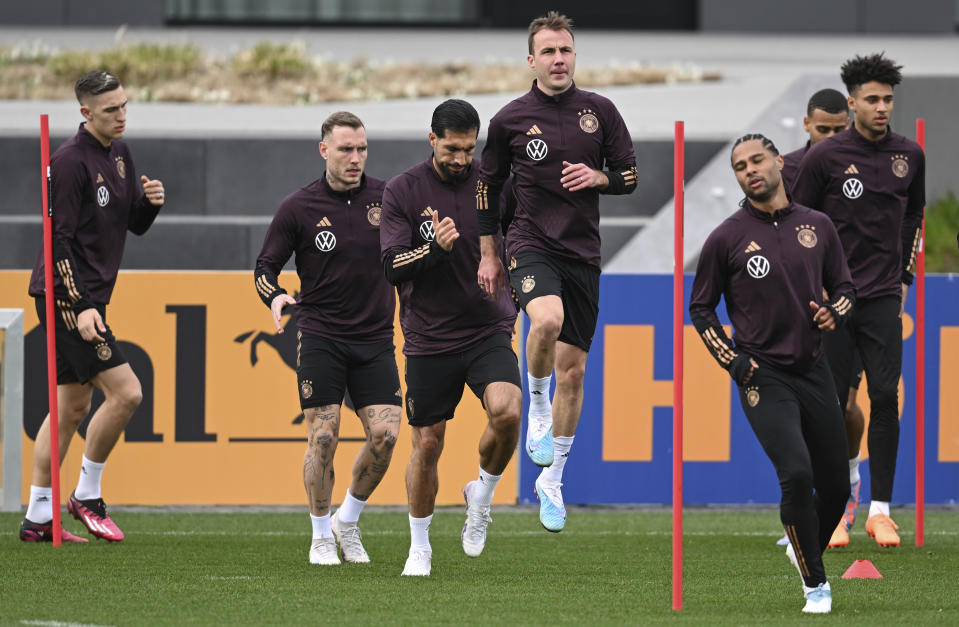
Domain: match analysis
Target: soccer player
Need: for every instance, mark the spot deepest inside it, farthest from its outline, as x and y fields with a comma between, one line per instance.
x=871, y=182
x=770, y=261
x=556, y=139
x=345, y=319
x=827, y=113
x=96, y=199
x=454, y=333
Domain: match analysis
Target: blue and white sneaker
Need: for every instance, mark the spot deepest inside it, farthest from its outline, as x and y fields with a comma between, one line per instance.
x=818, y=599
x=539, y=440
x=783, y=541
x=552, y=512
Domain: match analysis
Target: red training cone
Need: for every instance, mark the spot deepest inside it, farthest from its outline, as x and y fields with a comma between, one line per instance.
x=861, y=569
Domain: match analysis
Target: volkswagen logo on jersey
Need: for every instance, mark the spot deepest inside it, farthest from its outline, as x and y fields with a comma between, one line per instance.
x=852, y=189
x=426, y=230
x=325, y=241
x=536, y=149
x=757, y=266
x=103, y=196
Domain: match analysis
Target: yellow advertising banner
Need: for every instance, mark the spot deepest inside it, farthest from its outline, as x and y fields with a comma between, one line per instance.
x=220, y=422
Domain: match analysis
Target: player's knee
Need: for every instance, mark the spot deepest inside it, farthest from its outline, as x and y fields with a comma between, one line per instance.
x=428, y=447
x=546, y=326
x=323, y=442
x=571, y=376
x=383, y=440
x=884, y=398
x=797, y=487
x=74, y=412
x=127, y=397
x=506, y=418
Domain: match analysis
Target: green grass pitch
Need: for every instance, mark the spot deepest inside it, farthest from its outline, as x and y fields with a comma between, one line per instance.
x=609, y=567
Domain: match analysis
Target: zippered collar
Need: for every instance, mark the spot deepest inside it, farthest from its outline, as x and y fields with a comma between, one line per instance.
x=543, y=97
x=779, y=216
x=347, y=195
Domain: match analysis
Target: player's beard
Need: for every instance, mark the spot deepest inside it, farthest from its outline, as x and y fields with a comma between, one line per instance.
x=454, y=177
x=763, y=194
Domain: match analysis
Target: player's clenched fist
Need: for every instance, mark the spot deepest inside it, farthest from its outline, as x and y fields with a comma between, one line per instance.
x=153, y=189
x=444, y=231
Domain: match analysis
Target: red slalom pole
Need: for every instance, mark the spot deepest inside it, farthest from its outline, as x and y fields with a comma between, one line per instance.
x=678, y=185
x=921, y=365
x=51, y=331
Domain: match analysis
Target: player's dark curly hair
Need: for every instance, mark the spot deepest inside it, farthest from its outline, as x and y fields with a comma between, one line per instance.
x=767, y=143
x=95, y=83
x=876, y=67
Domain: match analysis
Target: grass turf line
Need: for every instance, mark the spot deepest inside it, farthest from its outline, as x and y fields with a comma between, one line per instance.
x=607, y=567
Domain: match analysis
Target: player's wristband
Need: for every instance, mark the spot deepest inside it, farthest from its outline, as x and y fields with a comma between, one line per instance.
x=81, y=305
x=739, y=367
x=617, y=185
x=620, y=181
x=488, y=221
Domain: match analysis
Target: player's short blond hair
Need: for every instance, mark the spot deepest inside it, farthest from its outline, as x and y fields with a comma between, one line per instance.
x=551, y=21
x=340, y=118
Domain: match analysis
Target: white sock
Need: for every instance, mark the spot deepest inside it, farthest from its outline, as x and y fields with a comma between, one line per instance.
x=88, y=487
x=539, y=402
x=321, y=526
x=483, y=493
x=351, y=508
x=40, y=508
x=420, y=533
x=879, y=507
x=854, y=469
x=561, y=446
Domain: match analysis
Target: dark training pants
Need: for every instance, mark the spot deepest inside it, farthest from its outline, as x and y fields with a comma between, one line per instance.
x=800, y=424
x=874, y=332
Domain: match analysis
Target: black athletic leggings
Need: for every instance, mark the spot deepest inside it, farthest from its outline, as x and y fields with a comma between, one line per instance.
x=874, y=331
x=799, y=422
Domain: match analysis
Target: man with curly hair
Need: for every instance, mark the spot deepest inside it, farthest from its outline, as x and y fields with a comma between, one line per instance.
x=871, y=182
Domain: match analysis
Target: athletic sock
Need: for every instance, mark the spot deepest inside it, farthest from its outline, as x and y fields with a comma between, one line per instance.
x=483, y=493
x=854, y=469
x=351, y=509
x=321, y=526
x=420, y=533
x=88, y=487
x=561, y=446
x=539, y=402
x=878, y=507
x=40, y=508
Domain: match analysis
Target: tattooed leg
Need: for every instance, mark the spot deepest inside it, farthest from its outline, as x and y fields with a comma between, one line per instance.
x=323, y=429
x=382, y=425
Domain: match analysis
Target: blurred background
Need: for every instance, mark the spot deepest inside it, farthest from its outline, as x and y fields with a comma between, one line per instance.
x=226, y=102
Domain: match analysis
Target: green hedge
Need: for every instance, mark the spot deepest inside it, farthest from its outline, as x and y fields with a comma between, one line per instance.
x=942, y=226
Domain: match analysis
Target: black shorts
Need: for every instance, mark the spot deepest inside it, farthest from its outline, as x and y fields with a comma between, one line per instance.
x=78, y=360
x=533, y=274
x=434, y=383
x=326, y=368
